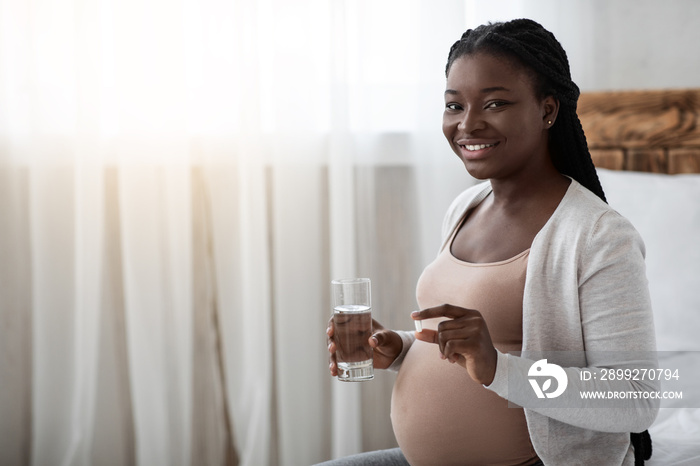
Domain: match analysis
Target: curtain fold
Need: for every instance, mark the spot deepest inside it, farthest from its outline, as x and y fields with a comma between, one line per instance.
x=213, y=437
x=113, y=427
x=56, y=367
x=16, y=342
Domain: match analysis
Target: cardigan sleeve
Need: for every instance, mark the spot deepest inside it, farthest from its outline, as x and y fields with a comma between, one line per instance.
x=407, y=338
x=616, y=326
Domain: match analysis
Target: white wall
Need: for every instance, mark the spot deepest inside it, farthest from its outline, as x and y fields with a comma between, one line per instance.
x=615, y=44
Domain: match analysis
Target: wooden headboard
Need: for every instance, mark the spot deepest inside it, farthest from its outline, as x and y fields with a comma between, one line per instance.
x=651, y=131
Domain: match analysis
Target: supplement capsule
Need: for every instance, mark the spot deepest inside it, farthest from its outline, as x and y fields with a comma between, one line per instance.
x=419, y=325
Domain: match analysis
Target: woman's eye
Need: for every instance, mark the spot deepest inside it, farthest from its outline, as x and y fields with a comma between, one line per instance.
x=454, y=107
x=496, y=104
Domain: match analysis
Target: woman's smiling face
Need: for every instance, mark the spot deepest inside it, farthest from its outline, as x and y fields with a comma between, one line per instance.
x=493, y=119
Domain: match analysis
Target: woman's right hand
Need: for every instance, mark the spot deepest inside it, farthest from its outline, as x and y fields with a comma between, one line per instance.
x=386, y=344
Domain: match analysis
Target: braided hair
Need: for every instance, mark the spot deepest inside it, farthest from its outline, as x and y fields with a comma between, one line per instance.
x=540, y=53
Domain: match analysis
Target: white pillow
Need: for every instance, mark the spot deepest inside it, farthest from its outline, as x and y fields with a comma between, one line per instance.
x=665, y=209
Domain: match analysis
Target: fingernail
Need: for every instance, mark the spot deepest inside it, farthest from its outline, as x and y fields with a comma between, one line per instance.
x=414, y=314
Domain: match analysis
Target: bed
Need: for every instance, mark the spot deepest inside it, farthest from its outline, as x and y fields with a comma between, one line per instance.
x=646, y=147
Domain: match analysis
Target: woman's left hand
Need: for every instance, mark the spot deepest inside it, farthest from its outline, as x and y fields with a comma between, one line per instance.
x=463, y=339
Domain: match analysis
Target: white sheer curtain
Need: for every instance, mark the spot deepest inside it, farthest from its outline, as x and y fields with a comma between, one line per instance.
x=179, y=181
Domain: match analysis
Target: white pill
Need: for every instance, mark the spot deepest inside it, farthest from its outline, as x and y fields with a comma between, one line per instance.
x=419, y=325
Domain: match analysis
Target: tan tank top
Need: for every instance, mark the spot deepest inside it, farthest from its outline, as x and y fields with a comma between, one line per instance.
x=439, y=414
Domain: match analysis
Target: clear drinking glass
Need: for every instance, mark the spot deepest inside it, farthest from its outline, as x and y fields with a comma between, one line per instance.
x=352, y=318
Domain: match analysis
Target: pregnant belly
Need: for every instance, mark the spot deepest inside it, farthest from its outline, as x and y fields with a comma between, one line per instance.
x=441, y=416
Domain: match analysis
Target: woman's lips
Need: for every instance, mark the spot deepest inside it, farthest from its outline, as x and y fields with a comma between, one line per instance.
x=473, y=151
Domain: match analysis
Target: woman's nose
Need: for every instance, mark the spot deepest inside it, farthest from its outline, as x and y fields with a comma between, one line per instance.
x=471, y=121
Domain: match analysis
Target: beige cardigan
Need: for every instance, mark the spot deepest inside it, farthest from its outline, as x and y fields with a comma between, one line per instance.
x=585, y=290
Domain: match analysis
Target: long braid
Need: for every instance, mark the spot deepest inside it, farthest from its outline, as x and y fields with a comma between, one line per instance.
x=539, y=51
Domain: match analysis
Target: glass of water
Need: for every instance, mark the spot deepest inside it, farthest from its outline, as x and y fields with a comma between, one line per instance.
x=352, y=318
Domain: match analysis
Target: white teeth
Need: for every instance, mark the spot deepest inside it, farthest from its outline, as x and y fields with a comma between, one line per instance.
x=478, y=146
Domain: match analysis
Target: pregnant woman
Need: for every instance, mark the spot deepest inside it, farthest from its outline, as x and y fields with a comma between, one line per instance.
x=532, y=259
